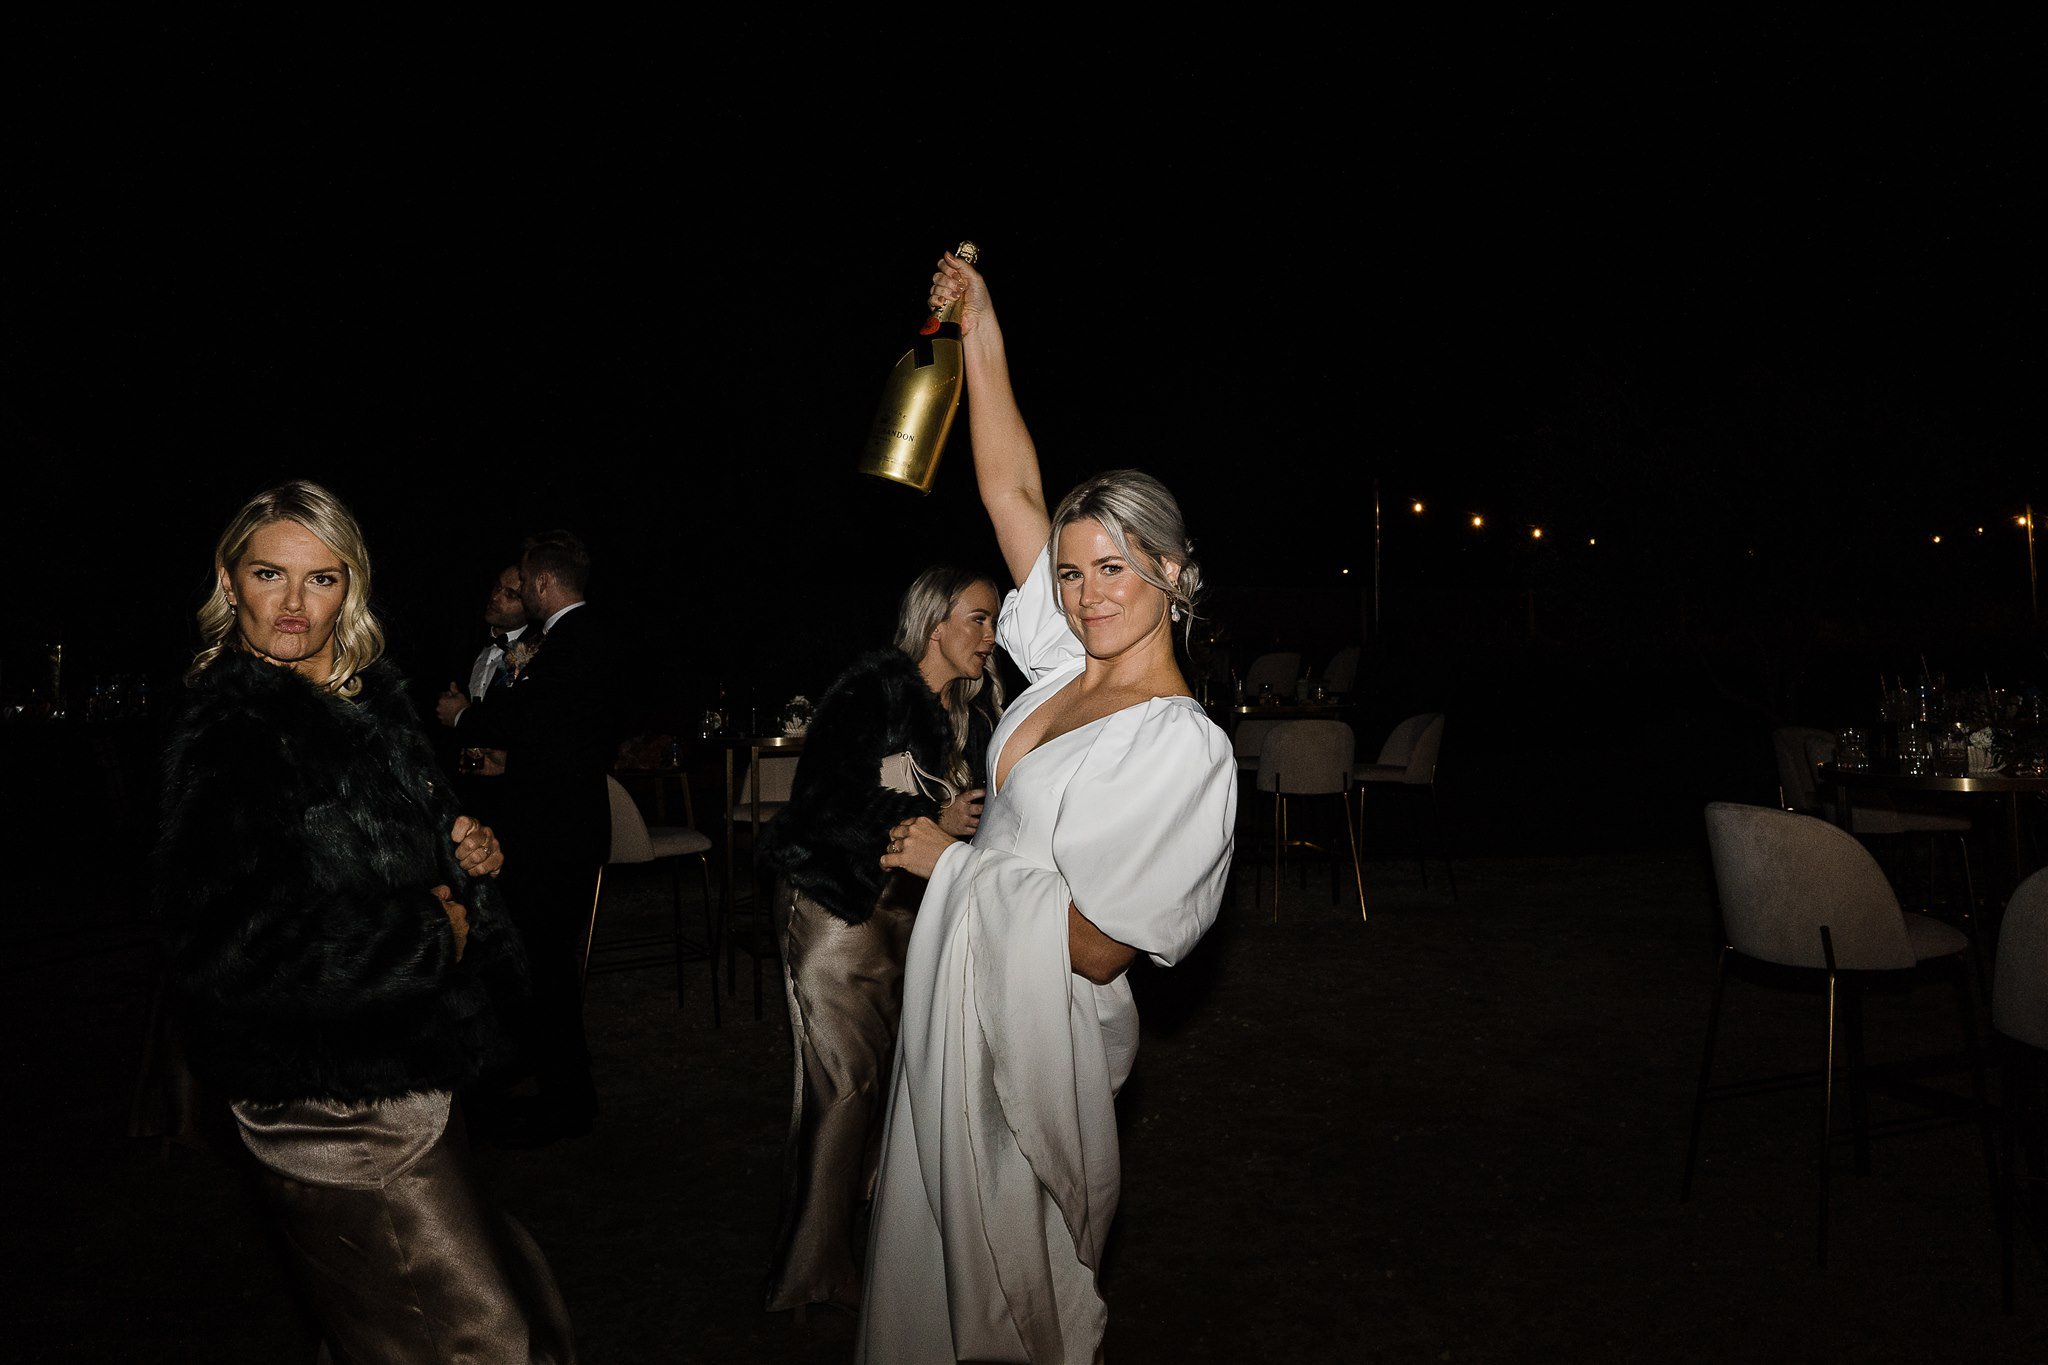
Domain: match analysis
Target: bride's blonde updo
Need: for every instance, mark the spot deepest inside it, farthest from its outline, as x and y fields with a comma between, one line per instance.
x=1143, y=521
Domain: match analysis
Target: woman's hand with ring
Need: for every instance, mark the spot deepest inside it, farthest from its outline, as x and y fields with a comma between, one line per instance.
x=915, y=846
x=476, y=847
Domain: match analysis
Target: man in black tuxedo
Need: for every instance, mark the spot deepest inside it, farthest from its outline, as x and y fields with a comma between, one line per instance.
x=559, y=725
x=475, y=770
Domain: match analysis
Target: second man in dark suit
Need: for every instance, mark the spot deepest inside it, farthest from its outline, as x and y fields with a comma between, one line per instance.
x=559, y=725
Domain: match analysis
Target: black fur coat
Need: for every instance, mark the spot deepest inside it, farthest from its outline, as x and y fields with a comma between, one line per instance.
x=301, y=836
x=828, y=841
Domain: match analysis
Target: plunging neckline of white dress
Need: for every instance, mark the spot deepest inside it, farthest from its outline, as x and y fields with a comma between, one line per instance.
x=999, y=786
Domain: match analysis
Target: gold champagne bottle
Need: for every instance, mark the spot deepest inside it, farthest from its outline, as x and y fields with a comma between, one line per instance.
x=918, y=403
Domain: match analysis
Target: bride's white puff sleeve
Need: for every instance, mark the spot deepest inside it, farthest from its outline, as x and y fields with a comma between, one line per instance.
x=1031, y=628
x=1144, y=832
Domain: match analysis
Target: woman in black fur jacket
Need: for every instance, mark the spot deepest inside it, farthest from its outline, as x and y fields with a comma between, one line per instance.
x=338, y=949
x=903, y=732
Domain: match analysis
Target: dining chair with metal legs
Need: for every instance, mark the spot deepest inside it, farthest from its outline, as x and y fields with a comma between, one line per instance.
x=1798, y=892
x=1407, y=764
x=1308, y=759
x=635, y=842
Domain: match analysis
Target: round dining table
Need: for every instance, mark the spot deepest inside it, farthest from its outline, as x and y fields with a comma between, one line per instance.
x=2019, y=793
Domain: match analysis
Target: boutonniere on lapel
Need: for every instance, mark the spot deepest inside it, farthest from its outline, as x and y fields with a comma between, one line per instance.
x=519, y=656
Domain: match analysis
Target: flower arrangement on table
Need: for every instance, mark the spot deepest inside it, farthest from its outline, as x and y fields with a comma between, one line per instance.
x=1988, y=750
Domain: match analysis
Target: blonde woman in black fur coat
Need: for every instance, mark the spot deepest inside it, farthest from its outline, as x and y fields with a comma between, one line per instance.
x=340, y=953
x=903, y=732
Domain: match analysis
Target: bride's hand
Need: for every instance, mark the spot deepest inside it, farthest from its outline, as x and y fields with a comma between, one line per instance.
x=955, y=279
x=915, y=846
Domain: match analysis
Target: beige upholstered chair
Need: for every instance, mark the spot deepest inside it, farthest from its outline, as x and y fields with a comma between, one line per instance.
x=1797, y=892
x=1279, y=669
x=1247, y=739
x=775, y=773
x=2019, y=1019
x=1801, y=749
x=1303, y=759
x=634, y=842
x=1340, y=675
x=1407, y=764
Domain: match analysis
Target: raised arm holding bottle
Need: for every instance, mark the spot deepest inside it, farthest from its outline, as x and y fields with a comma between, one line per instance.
x=1107, y=833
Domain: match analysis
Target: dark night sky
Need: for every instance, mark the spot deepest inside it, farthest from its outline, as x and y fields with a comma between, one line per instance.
x=1679, y=289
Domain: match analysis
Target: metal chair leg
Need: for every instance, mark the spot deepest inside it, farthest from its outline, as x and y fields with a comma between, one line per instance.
x=1827, y=1113
x=590, y=931
x=675, y=877
x=710, y=937
x=1827, y=1091
x=2008, y=1172
x=1279, y=845
x=1357, y=872
x=1699, y=1095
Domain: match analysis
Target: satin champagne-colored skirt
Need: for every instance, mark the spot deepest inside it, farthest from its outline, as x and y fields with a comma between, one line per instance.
x=845, y=989
x=401, y=1255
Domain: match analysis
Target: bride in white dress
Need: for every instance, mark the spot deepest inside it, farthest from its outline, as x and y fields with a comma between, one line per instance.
x=1107, y=833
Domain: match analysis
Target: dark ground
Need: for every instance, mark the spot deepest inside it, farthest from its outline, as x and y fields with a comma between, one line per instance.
x=1452, y=1133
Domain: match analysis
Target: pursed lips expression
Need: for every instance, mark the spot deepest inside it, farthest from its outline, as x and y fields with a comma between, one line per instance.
x=287, y=590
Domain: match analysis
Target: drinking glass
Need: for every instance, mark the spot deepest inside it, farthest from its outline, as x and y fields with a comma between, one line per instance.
x=1852, y=750
x=1916, y=748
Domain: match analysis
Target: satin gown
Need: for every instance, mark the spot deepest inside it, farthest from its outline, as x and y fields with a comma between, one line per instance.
x=401, y=1255
x=999, y=1175
x=844, y=984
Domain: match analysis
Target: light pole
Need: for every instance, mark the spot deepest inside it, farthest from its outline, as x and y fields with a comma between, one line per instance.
x=2033, y=575
x=1375, y=561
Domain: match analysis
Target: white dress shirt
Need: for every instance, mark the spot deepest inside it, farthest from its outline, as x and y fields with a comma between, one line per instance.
x=485, y=669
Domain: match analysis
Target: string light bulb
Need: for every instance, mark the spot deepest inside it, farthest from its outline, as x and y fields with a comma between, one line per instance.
x=1477, y=521
x=1416, y=508
x=1535, y=533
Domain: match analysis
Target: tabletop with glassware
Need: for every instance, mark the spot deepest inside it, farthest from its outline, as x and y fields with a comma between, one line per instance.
x=784, y=735
x=1930, y=729
x=1935, y=741
x=1309, y=699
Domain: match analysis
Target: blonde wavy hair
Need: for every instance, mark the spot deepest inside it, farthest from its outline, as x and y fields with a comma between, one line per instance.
x=358, y=638
x=929, y=600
